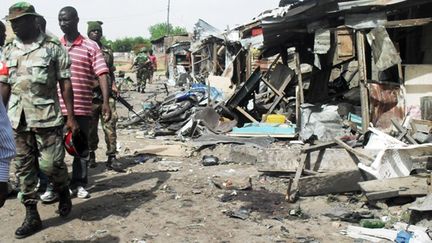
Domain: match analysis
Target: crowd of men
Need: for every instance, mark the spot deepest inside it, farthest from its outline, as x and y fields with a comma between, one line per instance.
x=50, y=87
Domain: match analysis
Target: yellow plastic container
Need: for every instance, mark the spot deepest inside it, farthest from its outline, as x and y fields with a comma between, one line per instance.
x=275, y=118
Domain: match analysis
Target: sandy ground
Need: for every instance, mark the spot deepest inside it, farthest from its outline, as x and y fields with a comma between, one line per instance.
x=148, y=204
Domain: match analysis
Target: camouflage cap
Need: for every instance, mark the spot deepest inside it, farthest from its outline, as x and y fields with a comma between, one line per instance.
x=20, y=9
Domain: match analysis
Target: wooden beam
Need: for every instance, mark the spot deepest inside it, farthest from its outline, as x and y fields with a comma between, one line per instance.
x=294, y=188
x=361, y=57
x=328, y=183
x=249, y=62
x=246, y=114
x=407, y=23
x=267, y=73
x=353, y=151
x=299, y=77
x=404, y=132
x=279, y=93
x=395, y=187
x=318, y=147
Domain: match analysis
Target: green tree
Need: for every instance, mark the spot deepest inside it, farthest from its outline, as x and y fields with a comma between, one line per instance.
x=128, y=44
x=106, y=42
x=159, y=30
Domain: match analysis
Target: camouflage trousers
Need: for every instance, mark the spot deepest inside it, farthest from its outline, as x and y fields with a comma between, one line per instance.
x=39, y=149
x=109, y=128
x=142, y=76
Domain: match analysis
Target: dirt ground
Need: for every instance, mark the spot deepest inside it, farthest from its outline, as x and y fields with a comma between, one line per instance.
x=152, y=204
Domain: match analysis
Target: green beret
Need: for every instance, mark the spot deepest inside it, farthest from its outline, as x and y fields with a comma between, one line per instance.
x=94, y=25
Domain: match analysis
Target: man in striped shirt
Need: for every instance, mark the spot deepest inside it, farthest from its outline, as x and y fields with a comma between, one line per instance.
x=7, y=142
x=87, y=63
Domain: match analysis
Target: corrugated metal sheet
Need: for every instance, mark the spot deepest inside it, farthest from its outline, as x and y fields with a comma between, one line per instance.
x=281, y=29
x=386, y=102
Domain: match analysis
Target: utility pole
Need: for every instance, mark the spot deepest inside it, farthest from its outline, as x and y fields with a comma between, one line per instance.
x=168, y=18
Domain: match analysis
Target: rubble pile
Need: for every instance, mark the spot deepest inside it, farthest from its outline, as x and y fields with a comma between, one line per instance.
x=324, y=93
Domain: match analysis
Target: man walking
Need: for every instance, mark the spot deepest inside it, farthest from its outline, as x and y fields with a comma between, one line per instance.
x=95, y=33
x=87, y=63
x=153, y=60
x=36, y=64
x=142, y=64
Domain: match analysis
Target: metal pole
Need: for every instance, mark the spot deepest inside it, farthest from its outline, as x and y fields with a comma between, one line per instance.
x=168, y=18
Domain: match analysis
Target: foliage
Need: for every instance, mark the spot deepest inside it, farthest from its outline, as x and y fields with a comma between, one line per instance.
x=159, y=30
x=128, y=44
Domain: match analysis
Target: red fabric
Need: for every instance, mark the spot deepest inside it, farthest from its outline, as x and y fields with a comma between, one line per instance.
x=3, y=69
x=153, y=61
x=87, y=64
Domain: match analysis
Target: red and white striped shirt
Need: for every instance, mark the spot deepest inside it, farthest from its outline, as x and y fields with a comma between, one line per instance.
x=87, y=64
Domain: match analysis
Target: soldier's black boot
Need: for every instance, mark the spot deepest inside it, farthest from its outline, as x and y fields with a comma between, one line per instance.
x=32, y=222
x=113, y=164
x=65, y=202
x=92, y=160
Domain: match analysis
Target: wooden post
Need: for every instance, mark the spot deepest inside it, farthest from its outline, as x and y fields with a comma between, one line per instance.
x=299, y=77
x=248, y=63
x=214, y=55
x=193, y=63
x=299, y=91
x=361, y=57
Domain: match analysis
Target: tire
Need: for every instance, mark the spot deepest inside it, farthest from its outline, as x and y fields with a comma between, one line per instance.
x=180, y=109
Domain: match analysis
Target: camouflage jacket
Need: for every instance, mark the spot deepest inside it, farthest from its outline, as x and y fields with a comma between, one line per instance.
x=141, y=59
x=109, y=59
x=34, y=71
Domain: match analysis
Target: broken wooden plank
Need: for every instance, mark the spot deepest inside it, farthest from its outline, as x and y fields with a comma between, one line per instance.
x=276, y=91
x=404, y=186
x=329, y=160
x=328, y=183
x=403, y=131
x=246, y=114
x=361, y=56
x=293, y=192
x=299, y=77
x=407, y=23
x=353, y=151
x=318, y=147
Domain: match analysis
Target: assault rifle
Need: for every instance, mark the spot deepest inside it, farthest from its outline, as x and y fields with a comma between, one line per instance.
x=127, y=105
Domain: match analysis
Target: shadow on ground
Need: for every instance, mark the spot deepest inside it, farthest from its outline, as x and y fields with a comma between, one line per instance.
x=118, y=203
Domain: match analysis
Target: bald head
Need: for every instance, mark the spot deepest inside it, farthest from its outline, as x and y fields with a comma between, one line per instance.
x=68, y=20
x=70, y=10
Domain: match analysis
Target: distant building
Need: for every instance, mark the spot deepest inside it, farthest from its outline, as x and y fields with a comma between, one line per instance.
x=162, y=44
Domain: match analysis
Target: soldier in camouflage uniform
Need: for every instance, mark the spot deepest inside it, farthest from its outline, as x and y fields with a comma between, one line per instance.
x=94, y=32
x=143, y=66
x=36, y=64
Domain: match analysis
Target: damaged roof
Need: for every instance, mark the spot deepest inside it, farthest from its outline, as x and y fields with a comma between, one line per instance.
x=290, y=24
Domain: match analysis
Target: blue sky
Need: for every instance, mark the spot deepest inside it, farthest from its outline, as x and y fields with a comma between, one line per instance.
x=133, y=17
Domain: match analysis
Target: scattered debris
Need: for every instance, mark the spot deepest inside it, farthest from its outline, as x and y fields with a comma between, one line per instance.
x=241, y=213
x=210, y=160
x=232, y=183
